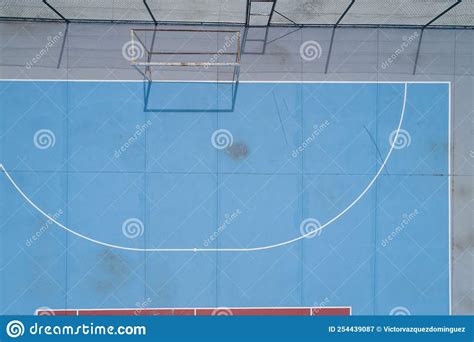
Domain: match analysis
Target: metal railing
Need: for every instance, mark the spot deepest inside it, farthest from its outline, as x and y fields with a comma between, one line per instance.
x=52, y=10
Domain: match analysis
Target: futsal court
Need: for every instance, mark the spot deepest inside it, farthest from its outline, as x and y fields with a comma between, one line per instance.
x=153, y=168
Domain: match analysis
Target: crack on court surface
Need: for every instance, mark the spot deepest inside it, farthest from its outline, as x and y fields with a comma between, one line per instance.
x=250, y=249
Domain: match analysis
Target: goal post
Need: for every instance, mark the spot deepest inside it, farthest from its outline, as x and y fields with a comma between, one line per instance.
x=175, y=55
x=147, y=52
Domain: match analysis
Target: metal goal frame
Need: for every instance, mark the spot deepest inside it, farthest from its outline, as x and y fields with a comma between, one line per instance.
x=145, y=64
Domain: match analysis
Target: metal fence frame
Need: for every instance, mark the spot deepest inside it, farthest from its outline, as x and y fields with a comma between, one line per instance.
x=62, y=18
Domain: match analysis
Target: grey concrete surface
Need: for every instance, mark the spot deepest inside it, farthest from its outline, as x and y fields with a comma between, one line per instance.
x=94, y=51
x=321, y=12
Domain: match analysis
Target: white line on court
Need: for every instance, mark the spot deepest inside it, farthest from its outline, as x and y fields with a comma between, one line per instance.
x=251, y=249
x=217, y=81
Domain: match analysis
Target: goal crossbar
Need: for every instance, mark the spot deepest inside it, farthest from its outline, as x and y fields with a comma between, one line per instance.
x=141, y=57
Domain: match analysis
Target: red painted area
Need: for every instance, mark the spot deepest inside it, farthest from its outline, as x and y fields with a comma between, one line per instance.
x=254, y=312
x=108, y=312
x=169, y=312
x=341, y=311
x=315, y=311
x=56, y=313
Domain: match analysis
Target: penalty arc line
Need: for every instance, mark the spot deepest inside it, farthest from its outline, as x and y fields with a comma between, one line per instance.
x=251, y=249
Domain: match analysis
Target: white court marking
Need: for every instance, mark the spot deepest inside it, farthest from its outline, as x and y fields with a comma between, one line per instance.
x=251, y=249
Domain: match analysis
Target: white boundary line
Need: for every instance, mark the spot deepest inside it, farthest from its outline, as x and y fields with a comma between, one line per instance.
x=450, y=185
x=450, y=223
x=251, y=249
x=222, y=81
x=204, y=308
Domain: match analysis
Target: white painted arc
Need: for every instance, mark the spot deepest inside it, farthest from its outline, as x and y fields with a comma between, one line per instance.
x=251, y=249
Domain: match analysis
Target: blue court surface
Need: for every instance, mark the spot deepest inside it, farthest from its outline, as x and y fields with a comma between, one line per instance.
x=211, y=195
